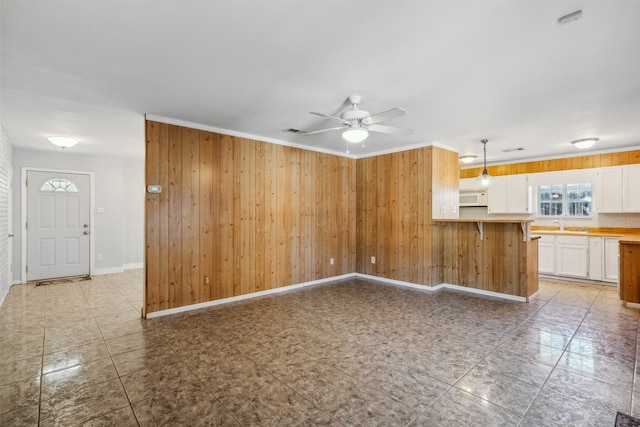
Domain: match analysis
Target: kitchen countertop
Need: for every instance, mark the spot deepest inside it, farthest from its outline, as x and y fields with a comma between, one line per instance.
x=626, y=235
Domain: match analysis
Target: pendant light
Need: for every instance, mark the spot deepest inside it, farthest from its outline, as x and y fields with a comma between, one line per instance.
x=484, y=177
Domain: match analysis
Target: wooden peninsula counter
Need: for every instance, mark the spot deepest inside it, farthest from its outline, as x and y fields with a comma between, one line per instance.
x=492, y=255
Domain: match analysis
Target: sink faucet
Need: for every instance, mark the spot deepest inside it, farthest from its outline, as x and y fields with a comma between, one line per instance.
x=560, y=224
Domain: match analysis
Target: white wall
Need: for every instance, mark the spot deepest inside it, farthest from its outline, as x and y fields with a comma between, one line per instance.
x=6, y=170
x=577, y=176
x=118, y=233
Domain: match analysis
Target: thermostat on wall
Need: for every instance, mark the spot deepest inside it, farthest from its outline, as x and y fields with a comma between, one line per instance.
x=154, y=188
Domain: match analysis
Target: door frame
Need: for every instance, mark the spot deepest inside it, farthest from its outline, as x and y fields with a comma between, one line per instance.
x=25, y=170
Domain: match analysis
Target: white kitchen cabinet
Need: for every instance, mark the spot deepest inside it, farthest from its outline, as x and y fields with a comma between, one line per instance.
x=509, y=194
x=611, y=259
x=618, y=189
x=572, y=256
x=596, y=256
x=470, y=184
x=497, y=196
x=547, y=254
x=631, y=188
x=609, y=190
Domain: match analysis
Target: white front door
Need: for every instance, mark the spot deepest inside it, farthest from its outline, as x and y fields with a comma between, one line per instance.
x=58, y=213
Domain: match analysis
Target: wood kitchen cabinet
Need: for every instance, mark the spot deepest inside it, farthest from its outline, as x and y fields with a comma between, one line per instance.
x=630, y=271
x=445, y=183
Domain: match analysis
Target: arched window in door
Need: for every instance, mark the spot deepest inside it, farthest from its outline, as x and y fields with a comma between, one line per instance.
x=59, y=184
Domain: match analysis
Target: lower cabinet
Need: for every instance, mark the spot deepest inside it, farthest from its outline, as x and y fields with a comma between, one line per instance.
x=596, y=257
x=583, y=257
x=572, y=255
x=546, y=255
x=611, y=259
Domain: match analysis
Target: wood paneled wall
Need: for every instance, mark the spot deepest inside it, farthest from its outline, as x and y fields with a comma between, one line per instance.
x=581, y=162
x=398, y=196
x=248, y=215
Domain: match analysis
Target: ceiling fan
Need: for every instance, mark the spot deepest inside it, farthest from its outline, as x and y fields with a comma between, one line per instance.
x=358, y=123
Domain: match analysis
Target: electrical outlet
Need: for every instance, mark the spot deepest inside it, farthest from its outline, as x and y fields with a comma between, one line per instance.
x=99, y=257
x=330, y=261
x=373, y=260
x=207, y=280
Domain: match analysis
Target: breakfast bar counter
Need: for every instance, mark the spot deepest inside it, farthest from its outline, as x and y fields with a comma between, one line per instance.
x=490, y=255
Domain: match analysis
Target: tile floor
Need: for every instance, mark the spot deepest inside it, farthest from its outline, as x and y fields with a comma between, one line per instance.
x=353, y=352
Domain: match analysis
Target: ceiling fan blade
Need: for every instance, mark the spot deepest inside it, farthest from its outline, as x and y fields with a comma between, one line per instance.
x=385, y=115
x=319, y=131
x=389, y=129
x=327, y=116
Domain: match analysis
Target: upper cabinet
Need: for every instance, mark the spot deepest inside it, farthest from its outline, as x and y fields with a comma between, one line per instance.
x=510, y=194
x=631, y=188
x=618, y=189
x=445, y=181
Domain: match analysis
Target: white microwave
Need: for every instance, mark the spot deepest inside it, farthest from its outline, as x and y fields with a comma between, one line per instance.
x=476, y=197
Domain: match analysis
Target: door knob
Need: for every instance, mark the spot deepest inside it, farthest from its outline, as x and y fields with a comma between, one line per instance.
x=86, y=226
x=86, y=232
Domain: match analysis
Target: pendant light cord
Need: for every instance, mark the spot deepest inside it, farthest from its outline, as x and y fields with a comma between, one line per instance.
x=484, y=143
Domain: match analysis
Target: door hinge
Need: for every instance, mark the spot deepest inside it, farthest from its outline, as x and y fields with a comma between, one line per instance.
x=26, y=182
x=26, y=268
x=26, y=225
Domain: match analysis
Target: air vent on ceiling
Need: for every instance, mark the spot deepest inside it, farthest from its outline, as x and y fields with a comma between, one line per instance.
x=509, y=150
x=574, y=16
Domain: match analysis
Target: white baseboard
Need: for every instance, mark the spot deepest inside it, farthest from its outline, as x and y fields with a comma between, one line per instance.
x=333, y=279
x=444, y=286
x=400, y=283
x=485, y=293
x=133, y=266
x=245, y=297
x=110, y=270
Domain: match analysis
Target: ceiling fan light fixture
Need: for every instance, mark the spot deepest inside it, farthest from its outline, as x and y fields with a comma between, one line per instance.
x=584, y=143
x=468, y=158
x=484, y=177
x=63, y=141
x=355, y=134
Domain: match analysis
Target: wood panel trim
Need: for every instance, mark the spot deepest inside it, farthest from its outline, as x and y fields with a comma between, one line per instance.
x=560, y=164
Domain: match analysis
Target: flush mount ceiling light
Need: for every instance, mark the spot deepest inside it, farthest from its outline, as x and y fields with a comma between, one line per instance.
x=484, y=177
x=63, y=141
x=584, y=143
x=355, y=134
x=467, y=158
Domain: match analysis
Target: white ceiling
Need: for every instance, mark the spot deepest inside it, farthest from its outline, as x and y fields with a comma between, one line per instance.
x=501, y=70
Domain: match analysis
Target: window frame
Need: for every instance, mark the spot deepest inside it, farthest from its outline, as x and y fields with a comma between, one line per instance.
x=565, y=202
